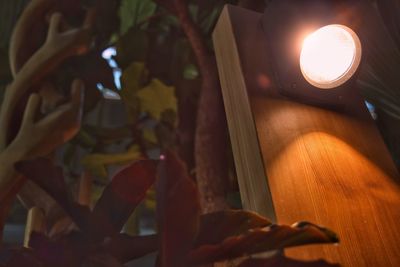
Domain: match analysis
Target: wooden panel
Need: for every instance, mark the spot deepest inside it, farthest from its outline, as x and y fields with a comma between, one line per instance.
x=333, y=170
x=253, y=185
x=328, y=167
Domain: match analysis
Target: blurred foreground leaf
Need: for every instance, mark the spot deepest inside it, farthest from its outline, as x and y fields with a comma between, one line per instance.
x=282, y=261
x=275, y=237
x=126, y=190
x=216, y=227
x=178, y=211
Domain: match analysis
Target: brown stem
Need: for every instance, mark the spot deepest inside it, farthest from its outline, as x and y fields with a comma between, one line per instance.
x=210, y=143
x=187, y=106
x=203, y=56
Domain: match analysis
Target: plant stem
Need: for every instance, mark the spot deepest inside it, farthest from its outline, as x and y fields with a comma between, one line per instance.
x=210, y=137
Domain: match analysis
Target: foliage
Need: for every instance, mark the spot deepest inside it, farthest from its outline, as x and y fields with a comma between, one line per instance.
x=185, y=238
x=135, y=12
x=98, y=229
x=152, y=53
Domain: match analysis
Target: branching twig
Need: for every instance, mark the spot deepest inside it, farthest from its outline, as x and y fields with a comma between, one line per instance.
x=37, y=137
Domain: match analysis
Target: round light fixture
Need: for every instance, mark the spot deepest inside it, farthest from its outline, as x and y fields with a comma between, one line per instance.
x=330, y=56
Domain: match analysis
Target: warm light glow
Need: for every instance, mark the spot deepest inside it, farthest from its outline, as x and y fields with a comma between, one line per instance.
x=330, y=56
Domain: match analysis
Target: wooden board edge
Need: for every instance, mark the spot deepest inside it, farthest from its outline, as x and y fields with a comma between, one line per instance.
x=254, y=189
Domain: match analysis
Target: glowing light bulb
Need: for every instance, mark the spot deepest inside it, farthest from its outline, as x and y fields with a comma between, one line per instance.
x=330, y=56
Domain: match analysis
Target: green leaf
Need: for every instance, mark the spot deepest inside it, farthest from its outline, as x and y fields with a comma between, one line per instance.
x=183, y=69
x=172, y=20
x=209, y=11
x=190, y=72
x=194, y=11
x=210, y=18
x=132, y=46
x=156, y=98
x=69, y=153
x=135, y=12
x=97, y=163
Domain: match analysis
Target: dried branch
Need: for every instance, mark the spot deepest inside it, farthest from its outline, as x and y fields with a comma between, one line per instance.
x=38, y=136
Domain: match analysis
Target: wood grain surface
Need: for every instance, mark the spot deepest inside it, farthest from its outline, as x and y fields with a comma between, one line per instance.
x=328, y=167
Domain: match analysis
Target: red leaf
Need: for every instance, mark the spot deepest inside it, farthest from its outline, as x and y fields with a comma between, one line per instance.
x=101, y=260
x=126, y=190
x=47, y=176
x=282, y=261
x=50, y=178
x=93, y=225
x=178, y=211
x=216, y=227
x=62, y=253
x=19, y=257
x=127, y=248
x=261, y=240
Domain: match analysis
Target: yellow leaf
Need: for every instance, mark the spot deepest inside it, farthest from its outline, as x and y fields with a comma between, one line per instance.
x=131, y=83
x=132, y=76
x=97, y=163
x=150, y=136
x=157, y=98
x=131, y=226
x=150, y=200
x=97, y=191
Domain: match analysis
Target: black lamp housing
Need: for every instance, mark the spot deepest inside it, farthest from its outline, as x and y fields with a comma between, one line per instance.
x=286, y=23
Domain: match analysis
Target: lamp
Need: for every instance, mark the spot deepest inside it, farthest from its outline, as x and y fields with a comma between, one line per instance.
x=330, y=56
x=312, y=47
